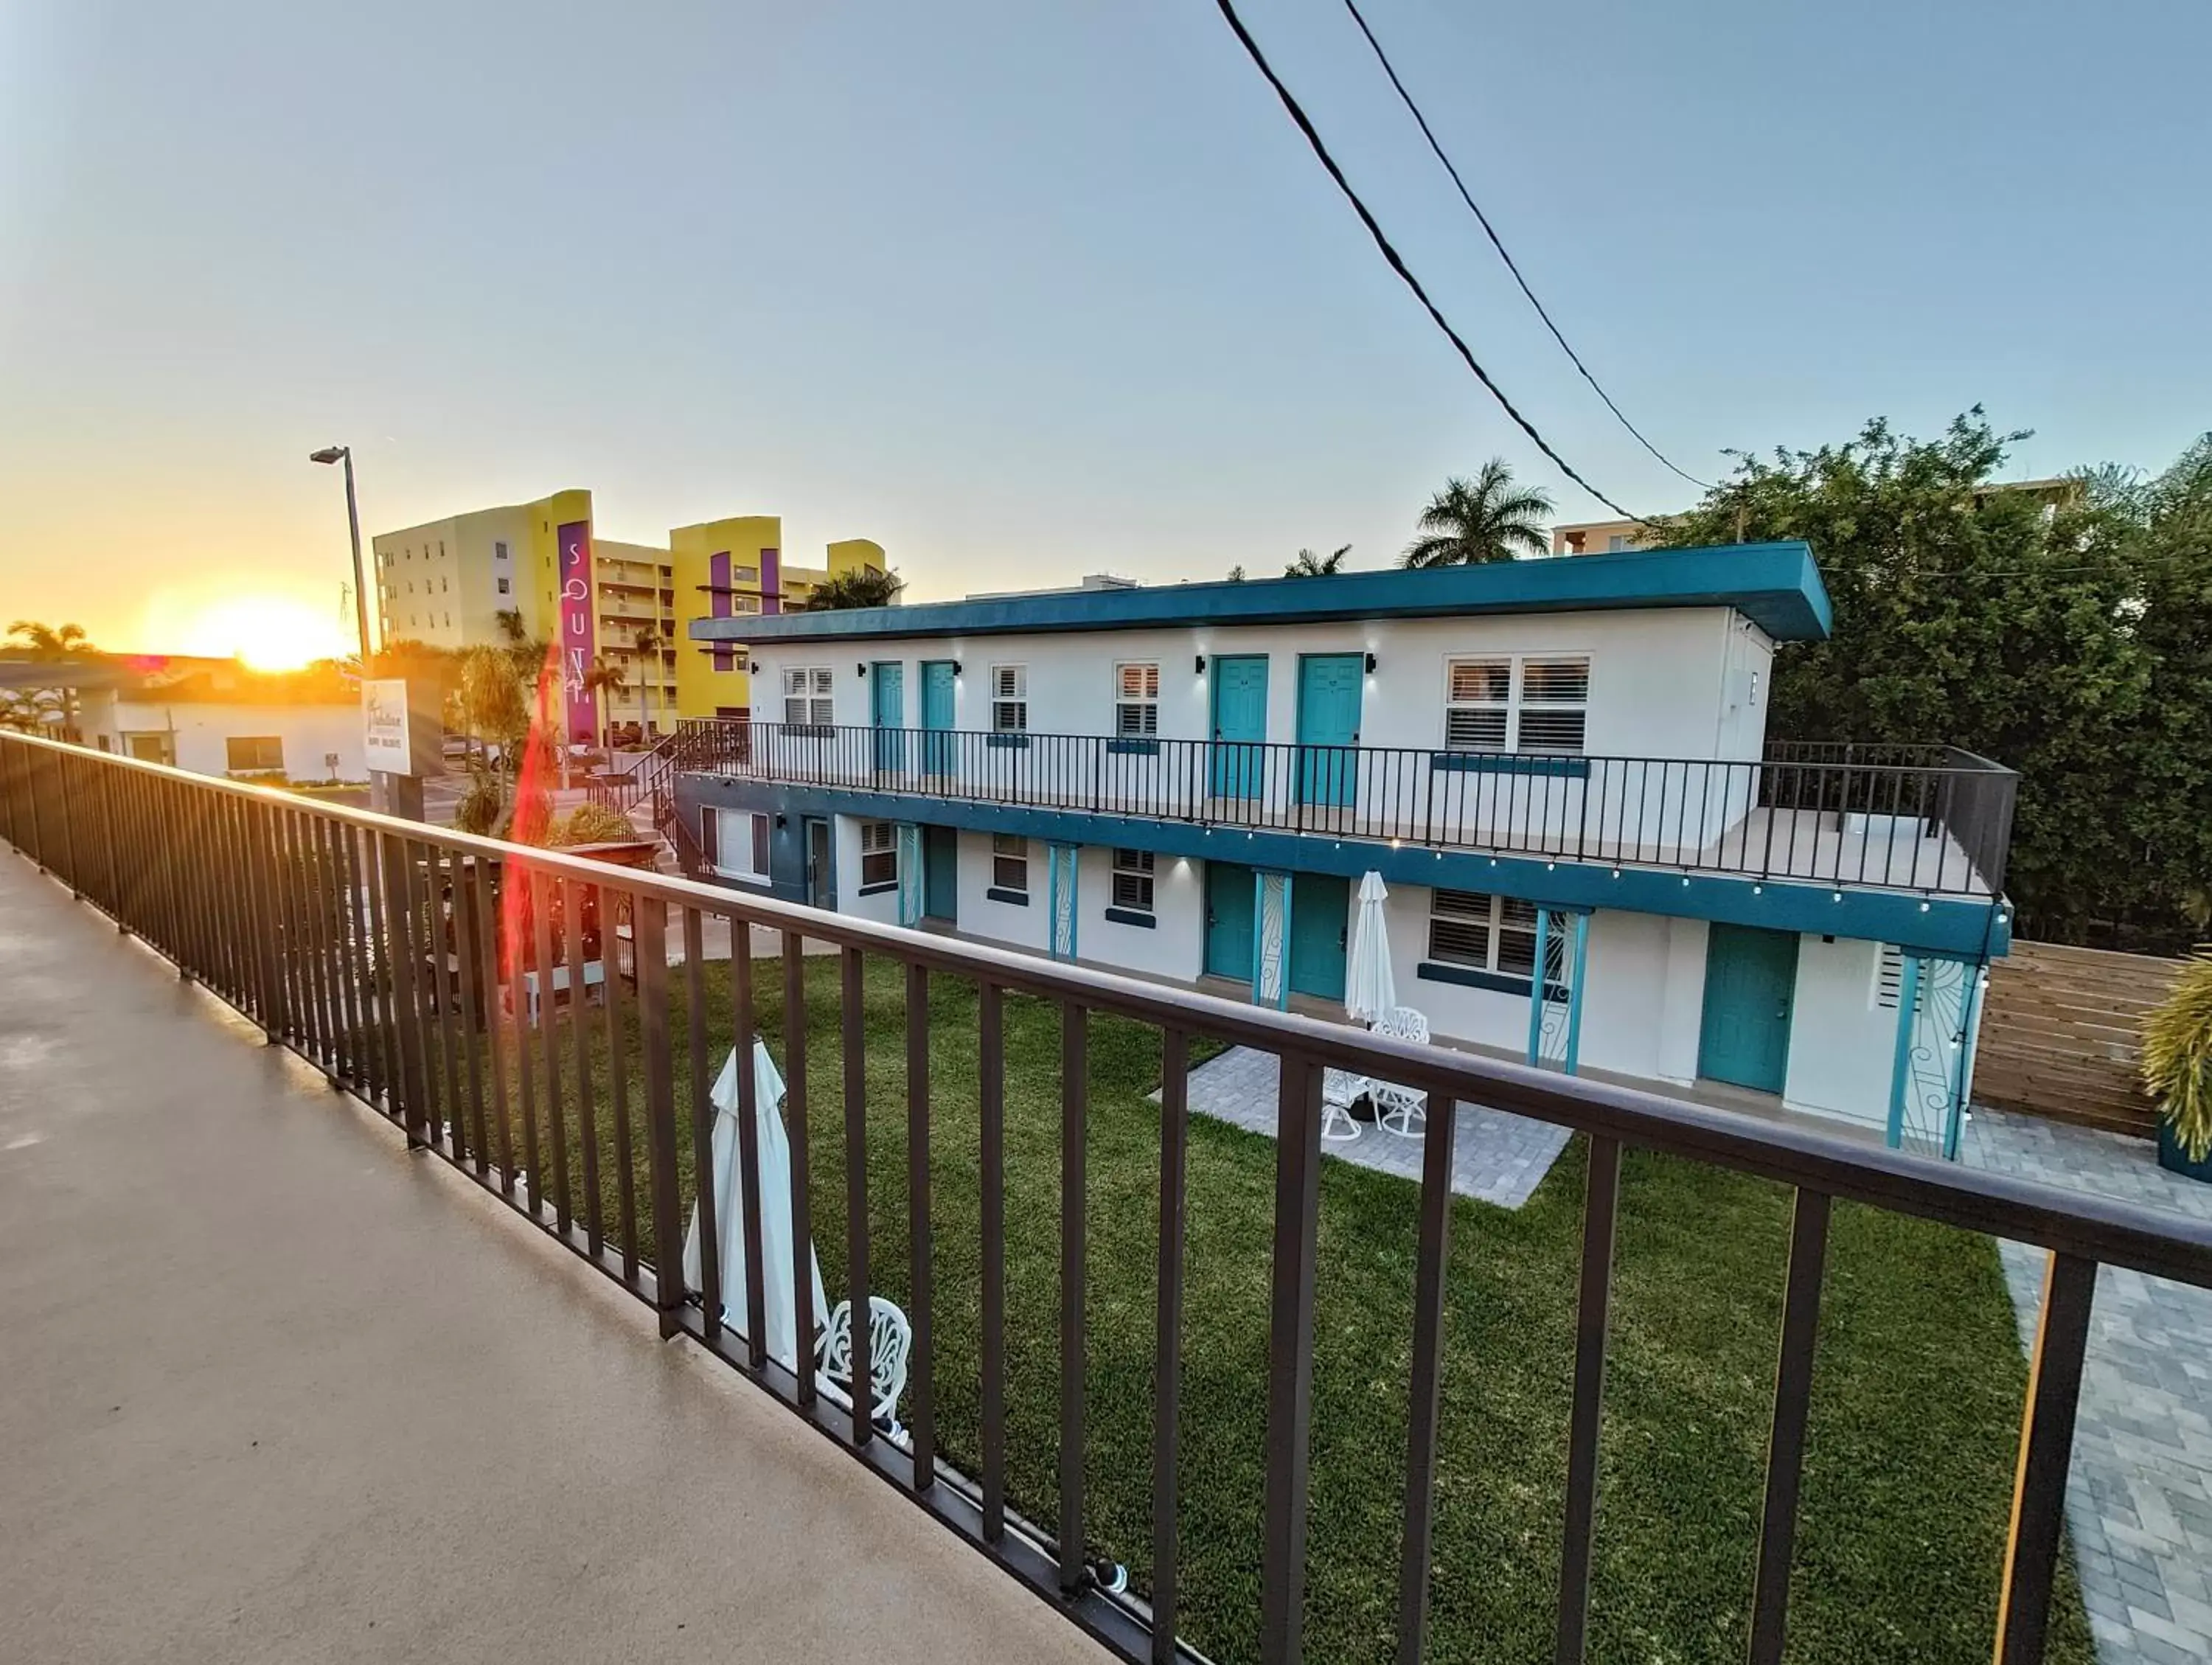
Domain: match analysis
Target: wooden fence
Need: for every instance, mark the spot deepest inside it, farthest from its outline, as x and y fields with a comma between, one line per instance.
x=2059, y=1035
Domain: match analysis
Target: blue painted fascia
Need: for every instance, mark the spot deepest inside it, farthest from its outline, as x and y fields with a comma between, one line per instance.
x=1959, y=926
x=1776, y=586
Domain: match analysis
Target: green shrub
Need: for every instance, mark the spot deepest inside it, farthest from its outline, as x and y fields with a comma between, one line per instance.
x=591, y=823
x=2177, y=1060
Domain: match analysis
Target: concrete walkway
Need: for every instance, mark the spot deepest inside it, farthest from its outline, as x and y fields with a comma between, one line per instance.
x=2139, y=1500
x=273, y=1390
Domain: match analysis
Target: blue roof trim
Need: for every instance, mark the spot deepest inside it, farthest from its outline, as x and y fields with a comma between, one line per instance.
x=1953, y=926
x=1776, y=586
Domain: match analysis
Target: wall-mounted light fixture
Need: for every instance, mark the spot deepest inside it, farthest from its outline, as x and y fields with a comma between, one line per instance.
x=756, y=667
x=862, y=669
x=956, y=667
x=1370, y=665
x=1199, y=669
x=782, y=822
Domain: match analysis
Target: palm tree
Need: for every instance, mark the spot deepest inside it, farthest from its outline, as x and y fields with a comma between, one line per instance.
x=1310, y=565
x=860, y=586
x=56, y=644
x=647, y=641
x=1489, y=519
x=601, y=680
x=528, y=652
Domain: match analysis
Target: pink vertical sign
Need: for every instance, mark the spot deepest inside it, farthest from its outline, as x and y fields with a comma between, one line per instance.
x=578, y=643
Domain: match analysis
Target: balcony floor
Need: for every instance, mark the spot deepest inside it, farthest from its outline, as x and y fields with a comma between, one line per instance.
x=277, y=1391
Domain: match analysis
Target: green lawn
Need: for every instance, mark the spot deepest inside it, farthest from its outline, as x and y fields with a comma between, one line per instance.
x=1914, y=1412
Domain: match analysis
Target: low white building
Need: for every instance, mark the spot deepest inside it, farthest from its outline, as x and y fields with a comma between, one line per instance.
x=220, y=718
x=1558, y=763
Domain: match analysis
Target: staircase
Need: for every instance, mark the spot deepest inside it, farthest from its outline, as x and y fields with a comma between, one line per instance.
x=650, y=785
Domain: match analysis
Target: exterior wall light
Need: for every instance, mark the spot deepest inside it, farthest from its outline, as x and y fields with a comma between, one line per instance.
x=1370, y=665
x=860, y=669
x=956, y=667
x=755, y=667
x=1200, y=670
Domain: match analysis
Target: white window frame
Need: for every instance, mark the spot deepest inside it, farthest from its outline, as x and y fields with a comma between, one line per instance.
x=737, y=838
x=1137, y=700
x=1514, y=712
x=1009, y=863
x=230, y=768
x=1009, y=699
x=809, y=699
x=879, y=845
x=1497, y=917
x=1139, y=870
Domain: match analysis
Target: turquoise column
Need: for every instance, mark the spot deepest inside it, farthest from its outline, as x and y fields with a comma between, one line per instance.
x=1954, y=1124
x=1900, y=1063
x=1575, y=993
x=1536, y=986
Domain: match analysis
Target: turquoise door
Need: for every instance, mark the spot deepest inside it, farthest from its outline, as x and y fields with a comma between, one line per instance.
x=937, y=743
x=1328, y=727
x=1229, y=920
x=940, y=873
x=1751, y=979
x=1321, y=915
x=1240, y=725
x=887, y=706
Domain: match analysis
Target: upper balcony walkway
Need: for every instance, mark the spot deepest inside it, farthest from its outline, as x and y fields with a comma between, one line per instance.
x=275, y=1391
x=1929, y=819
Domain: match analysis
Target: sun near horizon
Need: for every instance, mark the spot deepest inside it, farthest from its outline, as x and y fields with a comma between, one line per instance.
x=267, y=632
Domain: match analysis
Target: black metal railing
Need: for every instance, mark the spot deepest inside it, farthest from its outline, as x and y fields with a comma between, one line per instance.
x=1932, y=819
x=395, y=958
x=693, y=744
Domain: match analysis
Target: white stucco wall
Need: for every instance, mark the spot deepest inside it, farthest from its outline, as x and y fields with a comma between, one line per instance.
x=1172, y=948
x=1657, y=679
x=1006, y=922
x=308, y=731
x=1842, y=1044
x=884, y=906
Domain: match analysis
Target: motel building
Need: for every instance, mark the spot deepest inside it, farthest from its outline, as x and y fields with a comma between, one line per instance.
x=1596, y=861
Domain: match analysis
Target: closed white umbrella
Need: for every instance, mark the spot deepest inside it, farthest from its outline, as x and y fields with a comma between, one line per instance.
x=781, y=1331
x=1369, y=989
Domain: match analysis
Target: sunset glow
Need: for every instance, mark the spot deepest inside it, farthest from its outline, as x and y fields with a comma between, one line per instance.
x=269, y=632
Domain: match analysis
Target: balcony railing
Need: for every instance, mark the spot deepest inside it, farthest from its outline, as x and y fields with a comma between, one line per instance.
x=1929, y=819
x=387, y=953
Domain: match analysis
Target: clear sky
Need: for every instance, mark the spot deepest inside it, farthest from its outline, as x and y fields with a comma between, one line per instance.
x=1025, y=290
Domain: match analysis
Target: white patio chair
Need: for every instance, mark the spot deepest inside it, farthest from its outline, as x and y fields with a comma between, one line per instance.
x=890, y=1338
x=1340, y=1090
x=1400, y=1110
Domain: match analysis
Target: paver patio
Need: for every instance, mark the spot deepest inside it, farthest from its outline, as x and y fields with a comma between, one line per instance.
x=2140, y=1500
x=1497, y=1157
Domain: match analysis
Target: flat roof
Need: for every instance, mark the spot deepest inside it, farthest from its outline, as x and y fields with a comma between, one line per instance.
x=1776, y=586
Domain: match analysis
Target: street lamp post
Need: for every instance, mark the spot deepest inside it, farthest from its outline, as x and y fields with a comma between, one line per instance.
x=343, y=453
x=393, y=794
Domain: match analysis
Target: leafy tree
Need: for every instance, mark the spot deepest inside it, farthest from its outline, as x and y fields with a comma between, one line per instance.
x=1470, y=523
x=1310, y=565
x=2060, y=632
x=1236, y=574
x=860, y=586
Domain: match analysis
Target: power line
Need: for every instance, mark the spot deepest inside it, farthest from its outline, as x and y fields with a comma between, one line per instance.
x=1397, y=263
x=1495, y=242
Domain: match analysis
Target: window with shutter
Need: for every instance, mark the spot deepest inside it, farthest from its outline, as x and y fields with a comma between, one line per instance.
x=1477, y=704
x=1483, y=933
x=879, y=861
x=806, y=696
x=1554, y=704
x=1133, y=880
x=1009, y=699
x=1010, y=862
x=1137, y=700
